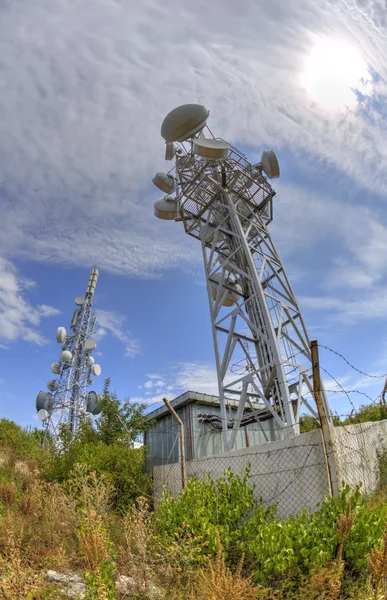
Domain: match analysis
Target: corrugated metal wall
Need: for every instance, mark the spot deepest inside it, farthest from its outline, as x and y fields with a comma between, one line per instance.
x=162, y=440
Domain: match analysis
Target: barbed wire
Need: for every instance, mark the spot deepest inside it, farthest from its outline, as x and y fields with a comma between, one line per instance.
x=351, y=365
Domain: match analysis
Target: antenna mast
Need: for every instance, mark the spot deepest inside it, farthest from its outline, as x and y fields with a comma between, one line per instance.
x=262, y=348
x=68, y=400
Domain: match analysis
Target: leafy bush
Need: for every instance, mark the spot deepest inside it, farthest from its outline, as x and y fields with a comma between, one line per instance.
x=208, y=506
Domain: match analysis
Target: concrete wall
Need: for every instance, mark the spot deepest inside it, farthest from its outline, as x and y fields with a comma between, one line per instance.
x=356, y=451
x=289, y=473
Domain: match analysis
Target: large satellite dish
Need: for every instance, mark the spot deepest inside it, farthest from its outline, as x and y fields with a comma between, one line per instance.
x=79, y=300
x=184, y=122
x=44, y=400
x=209, y=148
x=164, y=182
x=42, y=415
x=166, y=209
x=93, y=403
x=61, y=334
x=270, y=164
x=90, y=344
x=66, y=356
x=96, y=370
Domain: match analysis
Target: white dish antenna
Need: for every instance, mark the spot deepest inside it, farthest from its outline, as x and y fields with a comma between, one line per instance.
x=52, y=385
x=96, y=370
x=79, y=300
x=269, y=163
x=66, y=356
x=164, y=182
x=209, y=148
x=89, y=418
x=42, y=414
x=169, y=150
x=166, y=209
x=90, y=344
x=55, y=368
x=233, y=295
x=184, y=122
x=90, y=360
x=61, y=335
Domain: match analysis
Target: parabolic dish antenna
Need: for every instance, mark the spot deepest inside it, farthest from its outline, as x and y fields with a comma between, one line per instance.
x=164, y=182
x=42, y=415
x=184, y=122
x=96, y=370
x=169, y=150
x=79, y=300
x=270, y=164
x=44, y=400
x=61, y=334
x=166, y=209
x=89, y=418
x=52, y=385
x=90, y=360
x=209, y=148
x=55, y=368
x=66, y=356
x=90, y=344
x=93, y=403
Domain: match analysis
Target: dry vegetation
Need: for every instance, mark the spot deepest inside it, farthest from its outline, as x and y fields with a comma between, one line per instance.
x=77, y=526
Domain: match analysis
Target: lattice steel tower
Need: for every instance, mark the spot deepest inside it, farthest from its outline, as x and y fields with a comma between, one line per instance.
x=68, y=399
x=262, y=348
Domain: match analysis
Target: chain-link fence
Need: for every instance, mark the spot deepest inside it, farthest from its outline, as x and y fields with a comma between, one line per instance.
x=289, y=473
x=292, y=473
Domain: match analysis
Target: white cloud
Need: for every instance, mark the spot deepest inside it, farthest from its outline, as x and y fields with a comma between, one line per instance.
x=85, y=86
x=3, y=347
x=109, y=321
x=18, y=318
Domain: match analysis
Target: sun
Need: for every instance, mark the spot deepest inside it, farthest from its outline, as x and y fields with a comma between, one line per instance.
x=333, y=71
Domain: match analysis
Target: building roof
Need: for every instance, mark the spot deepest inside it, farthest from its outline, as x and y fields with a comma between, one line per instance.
x=188, y=398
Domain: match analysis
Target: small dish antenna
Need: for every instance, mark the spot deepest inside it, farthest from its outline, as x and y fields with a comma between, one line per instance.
x=52, y=385
x=166, y=209
x=42, y=415
x=66, y=356
x=61, y=335
x=96, y=370
x=212, y=149
x=90, y=360
x=269, y=164
x=90, y=344
x=164, y=182
x=55, y=368
x=79, y=300
x=169, y=150
x=184, y=122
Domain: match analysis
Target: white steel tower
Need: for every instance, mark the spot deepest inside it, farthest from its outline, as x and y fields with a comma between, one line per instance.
x=68, y=399
x=262, y=348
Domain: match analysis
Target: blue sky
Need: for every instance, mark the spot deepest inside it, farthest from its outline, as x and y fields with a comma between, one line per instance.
x=84, y=86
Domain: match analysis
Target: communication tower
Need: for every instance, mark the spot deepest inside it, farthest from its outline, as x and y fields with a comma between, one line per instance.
x=262, y=348
x=68, y=399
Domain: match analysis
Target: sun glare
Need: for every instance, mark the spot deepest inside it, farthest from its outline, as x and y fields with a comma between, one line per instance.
x=332, y=72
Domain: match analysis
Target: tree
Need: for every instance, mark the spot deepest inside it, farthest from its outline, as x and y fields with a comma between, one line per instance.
x=120, y=423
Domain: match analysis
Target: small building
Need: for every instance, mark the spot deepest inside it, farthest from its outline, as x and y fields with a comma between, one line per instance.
x=200, y=414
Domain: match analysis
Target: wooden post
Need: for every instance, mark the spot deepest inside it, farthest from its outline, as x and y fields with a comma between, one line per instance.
x=327, y=432
x=182, y=445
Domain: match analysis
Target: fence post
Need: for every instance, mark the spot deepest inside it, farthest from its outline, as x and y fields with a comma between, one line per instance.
x=182, y=445
x=327, y=432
